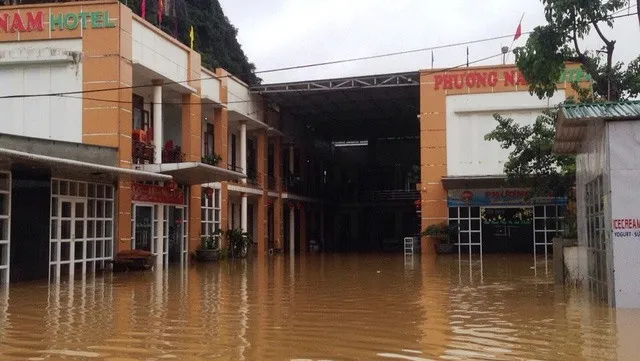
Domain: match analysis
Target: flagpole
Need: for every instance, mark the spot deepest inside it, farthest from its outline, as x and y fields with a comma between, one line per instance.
x=431, y=59
x=514, y=39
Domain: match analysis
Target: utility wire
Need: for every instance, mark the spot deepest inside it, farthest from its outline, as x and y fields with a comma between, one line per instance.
x=71, y=96
x=280, y=69
x=266, y=71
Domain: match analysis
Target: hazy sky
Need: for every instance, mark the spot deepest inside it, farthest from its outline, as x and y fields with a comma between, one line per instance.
x=281, y=33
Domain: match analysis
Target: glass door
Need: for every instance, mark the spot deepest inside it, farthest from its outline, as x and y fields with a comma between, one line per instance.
x=143, y=228
x=68, y=237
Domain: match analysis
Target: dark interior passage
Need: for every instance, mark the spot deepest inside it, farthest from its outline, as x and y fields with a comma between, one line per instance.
x=356, y=146
x=30, y=219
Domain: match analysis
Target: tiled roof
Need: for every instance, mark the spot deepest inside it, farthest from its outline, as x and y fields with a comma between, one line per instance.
x=607, y=110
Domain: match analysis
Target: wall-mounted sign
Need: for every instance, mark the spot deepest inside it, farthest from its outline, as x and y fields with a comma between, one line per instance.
x=497, y=197
x=483, y=79
x=626, y=228
x=21, y=22
x=156, y=194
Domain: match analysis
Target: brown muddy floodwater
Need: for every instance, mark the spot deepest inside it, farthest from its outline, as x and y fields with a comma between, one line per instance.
x=327, y=307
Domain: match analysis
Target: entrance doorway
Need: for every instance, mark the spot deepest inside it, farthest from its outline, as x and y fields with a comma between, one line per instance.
x=507, y=230
x=81, y=234
x=146, y=223
x=143, y=236
x=177, y=233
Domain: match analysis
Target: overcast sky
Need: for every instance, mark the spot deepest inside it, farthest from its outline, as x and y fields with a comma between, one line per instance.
x=282, y=33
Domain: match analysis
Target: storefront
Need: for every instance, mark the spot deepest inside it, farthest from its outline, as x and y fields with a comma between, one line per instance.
x=160, y=221
x=505, y=220
x=462, y=174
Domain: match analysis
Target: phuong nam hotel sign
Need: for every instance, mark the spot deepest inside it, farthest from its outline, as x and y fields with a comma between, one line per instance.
x=16, y=22
x=483, y=79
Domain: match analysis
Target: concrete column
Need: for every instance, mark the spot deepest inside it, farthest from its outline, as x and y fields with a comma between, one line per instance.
x=277, y=160
x=321, y=240
x=157, y=121
x=243, y=149
x=303, y=230
x=292, y=230
x=160, y=240
x=278, y=220
x=243, y=213
x=291, y=159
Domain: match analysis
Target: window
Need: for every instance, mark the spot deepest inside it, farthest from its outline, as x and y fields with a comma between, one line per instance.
x=468, y=221
x=597, y=238
x=138, y=112
x=82, y=227
x=208, y=141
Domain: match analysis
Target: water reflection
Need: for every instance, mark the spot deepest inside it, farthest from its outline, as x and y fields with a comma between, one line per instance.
x=328, y=307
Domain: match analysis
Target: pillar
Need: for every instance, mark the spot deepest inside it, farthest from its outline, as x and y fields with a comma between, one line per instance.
x=243, y=149
x=261, y=167
x=243, y=213
x=278, y=227
x=321, y=240
x=277, y=160
x=292, y=230
x=262, y=224
x=157, y=121
x=291, y=160
x=160, y=235
x=303, y=229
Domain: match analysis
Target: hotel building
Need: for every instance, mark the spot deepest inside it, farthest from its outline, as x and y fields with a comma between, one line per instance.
x=115, y=137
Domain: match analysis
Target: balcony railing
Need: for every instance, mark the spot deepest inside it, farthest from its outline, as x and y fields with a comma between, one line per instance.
x=172, y=154
x=142, y=153
x=271, y=183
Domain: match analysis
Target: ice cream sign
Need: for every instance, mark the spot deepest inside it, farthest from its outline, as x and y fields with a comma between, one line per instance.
x=626, y=228
x=28, y=21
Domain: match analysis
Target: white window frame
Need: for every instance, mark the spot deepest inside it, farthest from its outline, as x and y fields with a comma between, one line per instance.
x=98, y=225
x=5, y=261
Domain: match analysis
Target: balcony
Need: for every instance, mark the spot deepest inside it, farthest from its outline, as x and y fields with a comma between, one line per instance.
x=254, y=178
x=143, y=153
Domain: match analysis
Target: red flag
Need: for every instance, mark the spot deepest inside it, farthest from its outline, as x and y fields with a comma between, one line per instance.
x=143, y=10
x=160, y=10
x=518, y=32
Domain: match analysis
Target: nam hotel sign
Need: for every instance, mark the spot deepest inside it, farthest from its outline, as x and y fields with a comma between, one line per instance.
x=24, y=22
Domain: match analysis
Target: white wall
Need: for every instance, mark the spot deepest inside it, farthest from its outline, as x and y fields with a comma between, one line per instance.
x=470, y=118
x=157, y=53
x=210, y=86
x=623, y=147
x=241, y=101
x=591, y=162
x=37, y=67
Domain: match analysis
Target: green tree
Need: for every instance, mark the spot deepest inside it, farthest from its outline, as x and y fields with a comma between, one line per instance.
x=531, y=160
x=215, y=36
x=543, y=57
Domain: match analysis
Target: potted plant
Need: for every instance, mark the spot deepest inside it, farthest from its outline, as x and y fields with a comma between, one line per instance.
x=209, y=250
x=211, y=159
x=445, y=236
x=238, y=241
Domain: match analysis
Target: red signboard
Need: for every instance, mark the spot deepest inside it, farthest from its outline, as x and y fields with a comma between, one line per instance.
x=156, y=194
x=477, y=79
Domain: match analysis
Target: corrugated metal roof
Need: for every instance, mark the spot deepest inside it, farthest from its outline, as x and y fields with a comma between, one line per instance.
x=607, y=110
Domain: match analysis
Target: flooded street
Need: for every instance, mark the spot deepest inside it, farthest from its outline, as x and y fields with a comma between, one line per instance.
x=328, y=307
